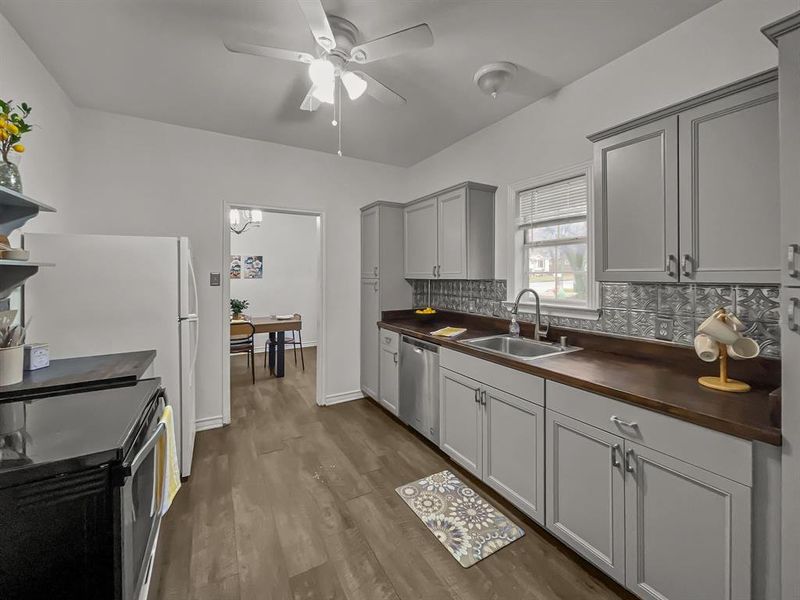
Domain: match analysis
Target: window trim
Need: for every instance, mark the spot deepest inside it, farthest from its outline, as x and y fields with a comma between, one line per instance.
x=516, y=245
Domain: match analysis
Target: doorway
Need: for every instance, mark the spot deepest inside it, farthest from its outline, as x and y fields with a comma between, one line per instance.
x=273, y=261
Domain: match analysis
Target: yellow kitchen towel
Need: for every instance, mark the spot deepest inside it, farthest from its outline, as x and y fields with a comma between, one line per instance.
x=448, y=332
x=172, y=473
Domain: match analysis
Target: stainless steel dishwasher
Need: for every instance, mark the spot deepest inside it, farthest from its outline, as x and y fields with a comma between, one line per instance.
x=419, y=386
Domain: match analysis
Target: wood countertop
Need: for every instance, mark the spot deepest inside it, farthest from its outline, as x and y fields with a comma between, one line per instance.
x=82, y=374
x=659, y=377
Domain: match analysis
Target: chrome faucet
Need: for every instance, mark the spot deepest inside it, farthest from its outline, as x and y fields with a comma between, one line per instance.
x=513, y=328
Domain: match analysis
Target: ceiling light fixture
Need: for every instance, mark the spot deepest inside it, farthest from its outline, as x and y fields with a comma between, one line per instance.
x=241, y=219
x=354, y=84
x=494, y=77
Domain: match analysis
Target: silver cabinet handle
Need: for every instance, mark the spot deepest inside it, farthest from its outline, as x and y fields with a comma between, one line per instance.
x=614, y=460
x=791, y=320
x=686, y=265
x=434, y=271
x=483, y=398
x=791, y=264
x=375, y=270
x=630, y=458
x=438, y=270
x=617, y=421
x=670, y=261
x=477, y=396
x=375, y=286
x=394, y=354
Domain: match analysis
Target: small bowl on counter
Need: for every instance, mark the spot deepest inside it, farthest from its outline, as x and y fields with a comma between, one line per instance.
x=425, y=315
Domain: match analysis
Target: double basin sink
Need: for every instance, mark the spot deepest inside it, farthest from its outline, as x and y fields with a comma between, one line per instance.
x=519, y=348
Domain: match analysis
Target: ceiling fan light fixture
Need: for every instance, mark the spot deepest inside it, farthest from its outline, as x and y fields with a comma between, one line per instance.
x=354, y=85
x=494, y=77
x=324, y=92
x=321, y=72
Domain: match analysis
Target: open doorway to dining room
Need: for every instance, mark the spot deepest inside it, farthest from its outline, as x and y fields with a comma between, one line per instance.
x=273, y=297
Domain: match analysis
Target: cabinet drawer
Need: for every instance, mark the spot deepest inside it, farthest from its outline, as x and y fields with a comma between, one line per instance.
x=712, y=450
x=390, y=340
x=525, y=386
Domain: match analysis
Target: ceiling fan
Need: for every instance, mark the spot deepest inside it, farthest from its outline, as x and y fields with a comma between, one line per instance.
x=339, y=47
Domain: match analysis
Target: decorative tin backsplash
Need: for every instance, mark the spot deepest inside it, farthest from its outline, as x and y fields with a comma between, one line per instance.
x=628, y=309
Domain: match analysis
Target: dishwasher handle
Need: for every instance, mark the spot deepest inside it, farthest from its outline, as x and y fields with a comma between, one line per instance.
x=419, y=345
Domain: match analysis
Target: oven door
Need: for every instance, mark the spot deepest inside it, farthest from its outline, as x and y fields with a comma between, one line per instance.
x=141, y=499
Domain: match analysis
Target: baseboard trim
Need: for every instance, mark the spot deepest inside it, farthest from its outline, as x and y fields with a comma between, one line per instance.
x=208, y=423
x=343, y=397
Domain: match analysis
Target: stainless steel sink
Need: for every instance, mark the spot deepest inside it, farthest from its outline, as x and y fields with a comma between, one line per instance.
x=519, y=348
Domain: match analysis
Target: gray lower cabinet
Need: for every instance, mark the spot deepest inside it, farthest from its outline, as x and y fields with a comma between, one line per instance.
x=636, y=204
x=461, y=420
x=513, y=450
x=586, y=492
x=687, y=530
x=370, y=315
x=729, y=189
x=389, y=372
x=496, y=436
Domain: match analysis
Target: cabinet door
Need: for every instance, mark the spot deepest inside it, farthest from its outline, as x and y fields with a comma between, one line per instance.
x=420, y=224
x=452, y=239
x=370, y=315
x=789, y=83
x=513, y=442
x=687, y=530
x=370, y=252
x=636, y=204
x=461, y=430
x=388, y=376
x=729, y=191
x=585, y=492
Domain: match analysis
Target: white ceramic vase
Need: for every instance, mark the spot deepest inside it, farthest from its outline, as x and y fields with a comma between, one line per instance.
x=11, y=361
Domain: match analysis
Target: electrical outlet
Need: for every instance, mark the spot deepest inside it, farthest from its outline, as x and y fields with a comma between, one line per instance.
x=664, y=328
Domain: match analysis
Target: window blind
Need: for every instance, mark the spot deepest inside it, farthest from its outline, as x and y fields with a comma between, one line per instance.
x=555, y=201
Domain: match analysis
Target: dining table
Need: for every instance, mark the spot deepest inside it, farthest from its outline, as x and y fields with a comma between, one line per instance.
x=276, y=328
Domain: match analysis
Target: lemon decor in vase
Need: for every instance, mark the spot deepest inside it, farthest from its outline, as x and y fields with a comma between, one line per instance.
x=12, y=127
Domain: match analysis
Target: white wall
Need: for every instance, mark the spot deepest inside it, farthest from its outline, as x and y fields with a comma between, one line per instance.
x=48, y=163
x=289, y=244
x=716, y=47
x=146, y=178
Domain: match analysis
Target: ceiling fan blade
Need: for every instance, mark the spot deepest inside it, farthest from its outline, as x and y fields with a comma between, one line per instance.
x=393, y=44
x=380, y=92
x=318, y=22
x=310, y=102
x=257, y=50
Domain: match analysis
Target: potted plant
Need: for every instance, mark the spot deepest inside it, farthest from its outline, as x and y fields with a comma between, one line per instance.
x=237, y=306
x=13, y=126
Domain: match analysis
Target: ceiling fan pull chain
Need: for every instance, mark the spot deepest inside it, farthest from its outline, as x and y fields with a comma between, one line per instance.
x=339, y=103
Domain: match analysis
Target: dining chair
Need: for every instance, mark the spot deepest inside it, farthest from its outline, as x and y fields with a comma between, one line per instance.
x=295, y=339
x=243, y=342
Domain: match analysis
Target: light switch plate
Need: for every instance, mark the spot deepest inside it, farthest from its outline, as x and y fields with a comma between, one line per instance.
x=663, y=328
x=215, y=280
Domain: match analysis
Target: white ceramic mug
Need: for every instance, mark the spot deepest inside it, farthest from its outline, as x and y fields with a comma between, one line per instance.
x=719, y=330
x=707, y=349
x=744, y=348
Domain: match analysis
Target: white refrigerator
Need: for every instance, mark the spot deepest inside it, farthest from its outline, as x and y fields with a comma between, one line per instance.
x=108, y=294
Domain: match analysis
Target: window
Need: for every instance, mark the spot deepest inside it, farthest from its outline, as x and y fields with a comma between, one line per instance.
x=555, y=250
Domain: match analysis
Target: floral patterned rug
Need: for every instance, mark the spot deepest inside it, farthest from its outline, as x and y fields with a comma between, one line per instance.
x=467, y=525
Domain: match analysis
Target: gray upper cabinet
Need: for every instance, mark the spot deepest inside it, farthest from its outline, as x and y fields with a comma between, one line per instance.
x=450, y=234
x=370, y=253
x=729, y=189
x=636, y=191
x=690, y=193
x=421, y=239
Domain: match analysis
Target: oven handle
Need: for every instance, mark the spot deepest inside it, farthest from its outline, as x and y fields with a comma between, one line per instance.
x=133, y=466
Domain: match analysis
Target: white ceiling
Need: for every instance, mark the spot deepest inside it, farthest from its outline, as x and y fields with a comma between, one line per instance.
x=164, y=60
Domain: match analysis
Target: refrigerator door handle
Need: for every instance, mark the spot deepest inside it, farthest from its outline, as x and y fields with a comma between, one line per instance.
x=196, y=346
x=194, y=284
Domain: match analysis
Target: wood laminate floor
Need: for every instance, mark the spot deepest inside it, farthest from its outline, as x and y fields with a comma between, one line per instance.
x=296, y=501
